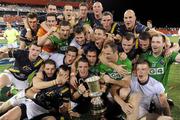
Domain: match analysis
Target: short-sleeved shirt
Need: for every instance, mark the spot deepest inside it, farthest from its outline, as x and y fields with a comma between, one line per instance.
x=148, y=90
x=23, y=66
x=114, y=74
x=160, y=66
x=47, y=48
x=60, y=45
x=11, y=35
x=23, y=36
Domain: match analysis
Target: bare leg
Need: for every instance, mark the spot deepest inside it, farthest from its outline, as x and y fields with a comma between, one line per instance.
x=4, y=80
x=134, y=100
x=49, y=118
x=13, y=114
x=5, y=106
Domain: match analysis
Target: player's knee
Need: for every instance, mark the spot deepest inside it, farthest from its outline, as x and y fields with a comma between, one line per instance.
x=124, y=92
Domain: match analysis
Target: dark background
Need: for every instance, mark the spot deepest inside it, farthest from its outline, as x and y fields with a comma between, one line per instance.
x=163, y=13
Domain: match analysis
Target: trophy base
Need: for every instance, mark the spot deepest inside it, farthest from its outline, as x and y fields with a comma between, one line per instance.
x=95, y=94
x=97, y=108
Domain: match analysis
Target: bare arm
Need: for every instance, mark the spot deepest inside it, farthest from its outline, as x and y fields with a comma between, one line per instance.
x=178, y=58
x=43, y=39
x=125, y=82
x=3, y=55
x=44, y=26
x=38, y=82
x=164, y=104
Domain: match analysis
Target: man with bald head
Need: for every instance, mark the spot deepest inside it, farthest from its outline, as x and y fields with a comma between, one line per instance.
x=131, y=25
x=96, y=16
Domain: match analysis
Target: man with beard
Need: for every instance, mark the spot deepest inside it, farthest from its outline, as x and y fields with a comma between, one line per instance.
x=28, y=34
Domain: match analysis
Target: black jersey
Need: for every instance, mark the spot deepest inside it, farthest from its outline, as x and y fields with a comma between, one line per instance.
x=25, y=39
x=139, y=28
x=94, y=22
x=23, y=66
x=54, y=96
x=132, y=54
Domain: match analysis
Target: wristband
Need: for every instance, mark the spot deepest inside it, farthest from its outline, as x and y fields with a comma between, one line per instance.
x=34, y=96
x=78, y=90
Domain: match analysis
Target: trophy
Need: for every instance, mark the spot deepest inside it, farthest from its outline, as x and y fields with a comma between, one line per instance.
x=97, y=106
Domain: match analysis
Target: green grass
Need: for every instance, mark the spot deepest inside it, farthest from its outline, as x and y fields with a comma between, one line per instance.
x=174, y=84
x=174, y=88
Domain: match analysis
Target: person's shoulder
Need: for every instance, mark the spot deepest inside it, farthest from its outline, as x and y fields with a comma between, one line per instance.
x=154, y=82
x=140, y=27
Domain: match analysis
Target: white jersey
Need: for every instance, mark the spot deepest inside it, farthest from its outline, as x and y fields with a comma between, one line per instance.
x=151, y=90
x=75, y=44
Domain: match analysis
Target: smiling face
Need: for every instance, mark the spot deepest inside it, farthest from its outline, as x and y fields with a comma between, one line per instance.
x=83, y=68
x=157, y=44
x=80, y=38
x=34, y=52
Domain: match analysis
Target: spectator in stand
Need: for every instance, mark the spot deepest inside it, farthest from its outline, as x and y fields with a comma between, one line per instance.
x=149, y=24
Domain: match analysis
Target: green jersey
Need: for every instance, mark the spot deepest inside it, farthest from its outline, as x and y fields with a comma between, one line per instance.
x=61, y=45
x=159, y=66
x=113, y=73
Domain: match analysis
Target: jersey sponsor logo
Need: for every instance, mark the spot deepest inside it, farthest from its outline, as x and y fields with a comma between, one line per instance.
x=115, y=75
x=27, y=68
x=156, y=71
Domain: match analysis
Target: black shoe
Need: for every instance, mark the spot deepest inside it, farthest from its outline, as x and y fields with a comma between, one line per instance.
x=170, y=102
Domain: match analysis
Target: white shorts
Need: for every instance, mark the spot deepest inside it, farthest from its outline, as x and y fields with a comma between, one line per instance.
x=20, y=85
x=12, y=45
x=18, y=99
x=33, y=110
x=57, y=57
